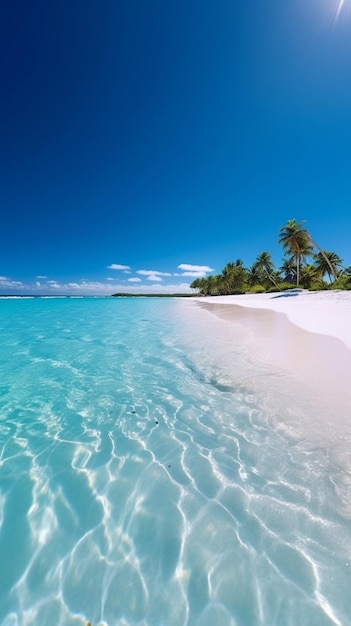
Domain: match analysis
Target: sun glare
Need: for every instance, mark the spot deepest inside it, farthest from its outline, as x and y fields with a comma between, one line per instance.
x=339, y=8
x=342, y=8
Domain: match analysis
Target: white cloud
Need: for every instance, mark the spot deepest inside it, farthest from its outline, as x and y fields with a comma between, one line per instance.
x=13, y=284
x=195, y=268
x=115, y=266
x=41, y=277
x=154, y=278
x=85, y=287
x=194, y=271
x=152, y=273
x=194, y=274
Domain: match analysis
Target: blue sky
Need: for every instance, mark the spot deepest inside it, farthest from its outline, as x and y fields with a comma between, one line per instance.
x=144, y=143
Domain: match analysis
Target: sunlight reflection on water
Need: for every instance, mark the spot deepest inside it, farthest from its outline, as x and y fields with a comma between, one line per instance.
x=144, y=481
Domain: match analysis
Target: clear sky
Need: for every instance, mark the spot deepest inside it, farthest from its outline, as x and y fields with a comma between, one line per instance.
x=143, y=138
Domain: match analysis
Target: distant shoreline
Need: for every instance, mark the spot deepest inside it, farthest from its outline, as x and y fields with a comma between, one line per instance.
x=113, y=295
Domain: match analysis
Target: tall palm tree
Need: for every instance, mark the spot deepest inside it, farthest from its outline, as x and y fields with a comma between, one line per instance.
x=314, y=244
x=296, y=240
x=328, y=263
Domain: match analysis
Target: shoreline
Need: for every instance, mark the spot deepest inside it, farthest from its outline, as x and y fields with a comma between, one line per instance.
x=320, y=312
x=297, y=366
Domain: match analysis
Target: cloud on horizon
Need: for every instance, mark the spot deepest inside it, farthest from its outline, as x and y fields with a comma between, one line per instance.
x=6, y=283
x=85, y=287
x=154, y=282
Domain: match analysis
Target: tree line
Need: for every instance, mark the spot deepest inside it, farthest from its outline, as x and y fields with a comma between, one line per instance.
x=304, y=265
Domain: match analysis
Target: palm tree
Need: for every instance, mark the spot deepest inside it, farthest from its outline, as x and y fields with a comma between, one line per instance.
x=213, y=284
x=315, y=245
x=322, y=252
x=233, y=277
x=197, y=284
x=328, y=263
x=296, y=240
x=254, y=276
x=225, y=279
x=265, y=266
x=311, y=275
x=288, y=269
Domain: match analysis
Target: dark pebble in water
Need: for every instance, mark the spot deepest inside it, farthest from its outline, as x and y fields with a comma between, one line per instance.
x=169, y=466
x=133, y=412
x=156, y=422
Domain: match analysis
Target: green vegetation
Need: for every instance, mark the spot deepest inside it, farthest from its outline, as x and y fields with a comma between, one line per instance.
x=305, y=265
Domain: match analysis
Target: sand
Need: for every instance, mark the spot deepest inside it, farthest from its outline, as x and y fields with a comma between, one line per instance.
x=305, y=335
x=300, y=346
x=324, y=312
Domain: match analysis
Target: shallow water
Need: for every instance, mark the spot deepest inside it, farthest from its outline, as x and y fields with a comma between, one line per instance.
x=150, y=475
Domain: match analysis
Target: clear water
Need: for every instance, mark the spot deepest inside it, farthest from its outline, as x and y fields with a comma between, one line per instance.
x=145, y=480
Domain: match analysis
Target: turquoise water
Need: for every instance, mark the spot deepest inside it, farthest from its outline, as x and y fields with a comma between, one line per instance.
x=146, y=481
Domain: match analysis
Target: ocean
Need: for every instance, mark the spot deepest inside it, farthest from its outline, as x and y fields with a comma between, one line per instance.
x=155, y=472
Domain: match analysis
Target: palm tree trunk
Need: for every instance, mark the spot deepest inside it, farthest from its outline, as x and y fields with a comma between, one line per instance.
x=297, y=270
x=272, y=279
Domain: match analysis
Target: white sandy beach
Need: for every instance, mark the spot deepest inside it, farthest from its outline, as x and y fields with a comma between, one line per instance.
x=307, y=337
x=300, y=347
x=324, y=312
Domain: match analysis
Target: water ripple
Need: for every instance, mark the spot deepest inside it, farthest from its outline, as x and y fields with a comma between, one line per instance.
x=141, y=487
